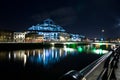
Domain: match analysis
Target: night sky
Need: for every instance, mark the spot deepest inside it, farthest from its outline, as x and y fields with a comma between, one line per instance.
x=85, y=17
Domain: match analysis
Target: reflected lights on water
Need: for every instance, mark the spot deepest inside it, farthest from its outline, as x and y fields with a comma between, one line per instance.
x=48, y=56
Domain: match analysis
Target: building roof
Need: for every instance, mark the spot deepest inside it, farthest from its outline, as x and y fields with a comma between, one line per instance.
x=48, y=25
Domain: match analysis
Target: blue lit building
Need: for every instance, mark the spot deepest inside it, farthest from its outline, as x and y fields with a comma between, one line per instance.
x=76, y=37
x=48, y=31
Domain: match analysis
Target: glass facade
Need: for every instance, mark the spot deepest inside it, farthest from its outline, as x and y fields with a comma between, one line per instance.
x=48, y=25
x=49, y=30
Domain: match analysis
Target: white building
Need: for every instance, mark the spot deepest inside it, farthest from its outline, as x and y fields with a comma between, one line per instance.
x=19, y=36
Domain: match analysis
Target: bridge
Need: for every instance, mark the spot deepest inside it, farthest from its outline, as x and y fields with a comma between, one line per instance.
x=15, y=45
x=106, y=67
x=80, y=42
x=66, y=42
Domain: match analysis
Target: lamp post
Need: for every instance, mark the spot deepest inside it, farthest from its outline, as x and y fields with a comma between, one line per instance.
x=102, y=37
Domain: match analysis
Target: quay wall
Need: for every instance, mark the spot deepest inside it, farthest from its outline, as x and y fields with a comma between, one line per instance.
x=14, y=46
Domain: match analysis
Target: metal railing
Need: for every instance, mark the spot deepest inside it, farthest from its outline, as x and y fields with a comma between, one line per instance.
x=100, y=69
x=108, y=73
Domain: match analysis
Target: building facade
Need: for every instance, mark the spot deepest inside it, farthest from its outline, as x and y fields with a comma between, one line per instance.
x=19, y=36
x=6, y=36
x=76, y=37
x=48, y=31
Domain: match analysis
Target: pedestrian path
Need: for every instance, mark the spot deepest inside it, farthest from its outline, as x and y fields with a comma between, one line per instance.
x=117, y=71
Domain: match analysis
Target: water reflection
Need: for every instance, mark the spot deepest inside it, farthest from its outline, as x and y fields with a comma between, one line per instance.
x=97, y=49
x=51, y=55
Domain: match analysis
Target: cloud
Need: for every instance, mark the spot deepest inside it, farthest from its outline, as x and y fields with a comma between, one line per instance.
x=63, y=16
x=117, y=25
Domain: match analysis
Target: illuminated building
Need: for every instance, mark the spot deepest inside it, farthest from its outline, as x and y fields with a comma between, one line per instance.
x=33, y=37
x=19, y=36
x=6, y=36
x=76, y=37
x=48, y=31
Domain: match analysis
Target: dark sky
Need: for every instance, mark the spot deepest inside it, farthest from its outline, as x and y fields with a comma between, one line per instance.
x=85, y=17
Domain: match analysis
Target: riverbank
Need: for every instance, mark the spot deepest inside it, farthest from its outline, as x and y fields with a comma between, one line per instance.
x=14, y=46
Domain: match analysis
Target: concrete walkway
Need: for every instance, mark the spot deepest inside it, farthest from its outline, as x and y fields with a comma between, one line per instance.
x=117, y=71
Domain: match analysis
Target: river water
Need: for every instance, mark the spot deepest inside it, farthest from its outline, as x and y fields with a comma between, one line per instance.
x=47, y=63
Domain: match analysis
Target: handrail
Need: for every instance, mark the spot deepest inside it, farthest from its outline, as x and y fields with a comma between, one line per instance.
x=82, y=74
x=108, y=72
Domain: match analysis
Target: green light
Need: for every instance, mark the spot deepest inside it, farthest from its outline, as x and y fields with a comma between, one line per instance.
x=98, y=51
x=69, y=49
x=100, y=44
x=68, y=45
x=73, y=45
x=80, y=49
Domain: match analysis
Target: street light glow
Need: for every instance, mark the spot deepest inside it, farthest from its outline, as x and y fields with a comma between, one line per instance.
x=103, y=30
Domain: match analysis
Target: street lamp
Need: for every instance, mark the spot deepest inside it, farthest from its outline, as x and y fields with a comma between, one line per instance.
x=102, y=38
x=103, y=30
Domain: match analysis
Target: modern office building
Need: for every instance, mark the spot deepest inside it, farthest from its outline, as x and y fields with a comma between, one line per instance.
x=48, y=31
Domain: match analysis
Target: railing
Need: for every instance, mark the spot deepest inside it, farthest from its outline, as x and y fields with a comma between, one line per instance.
x=100, y=69
x=110, y=65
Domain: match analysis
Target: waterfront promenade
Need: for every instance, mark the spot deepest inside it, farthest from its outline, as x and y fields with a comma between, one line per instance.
x=104, y=68
x=117, y=71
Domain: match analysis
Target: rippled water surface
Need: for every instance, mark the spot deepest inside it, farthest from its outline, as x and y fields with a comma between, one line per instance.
x=48, y=63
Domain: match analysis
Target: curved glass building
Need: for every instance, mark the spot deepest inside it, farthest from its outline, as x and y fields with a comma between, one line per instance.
x=48, y=31
x=48, y=25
